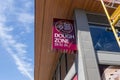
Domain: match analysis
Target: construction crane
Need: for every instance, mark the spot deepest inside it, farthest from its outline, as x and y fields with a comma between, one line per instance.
x=114, y=19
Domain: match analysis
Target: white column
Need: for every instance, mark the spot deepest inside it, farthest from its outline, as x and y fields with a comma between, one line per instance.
x=87, y=62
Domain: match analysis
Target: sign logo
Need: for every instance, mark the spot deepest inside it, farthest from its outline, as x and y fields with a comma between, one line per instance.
x=64, y=26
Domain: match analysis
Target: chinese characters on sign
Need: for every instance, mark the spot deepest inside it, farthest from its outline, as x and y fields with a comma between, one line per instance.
x=63, y=36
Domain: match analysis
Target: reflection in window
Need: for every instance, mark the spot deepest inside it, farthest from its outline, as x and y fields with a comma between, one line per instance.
x=103, y=39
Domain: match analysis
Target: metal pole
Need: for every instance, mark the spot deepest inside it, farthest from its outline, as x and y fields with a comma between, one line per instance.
x=109, y=19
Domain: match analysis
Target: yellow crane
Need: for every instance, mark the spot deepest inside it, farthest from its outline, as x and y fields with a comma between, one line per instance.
x=113, y=20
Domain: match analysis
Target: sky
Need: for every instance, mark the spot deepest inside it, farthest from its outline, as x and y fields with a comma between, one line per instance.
x=16, y=39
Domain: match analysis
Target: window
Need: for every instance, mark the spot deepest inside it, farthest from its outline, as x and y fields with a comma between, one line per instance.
x=103, y=39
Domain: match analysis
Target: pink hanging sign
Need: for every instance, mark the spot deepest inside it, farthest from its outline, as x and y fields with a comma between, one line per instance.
x=63, y=35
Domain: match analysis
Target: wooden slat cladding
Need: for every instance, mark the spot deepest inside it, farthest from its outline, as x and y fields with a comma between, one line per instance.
x=52, y=7
x=46, y=10
x=39, y=13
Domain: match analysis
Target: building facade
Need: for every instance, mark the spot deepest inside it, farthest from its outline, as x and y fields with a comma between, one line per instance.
x=97, y=48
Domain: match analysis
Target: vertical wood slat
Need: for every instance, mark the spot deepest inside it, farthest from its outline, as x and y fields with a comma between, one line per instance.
x=39, y=12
